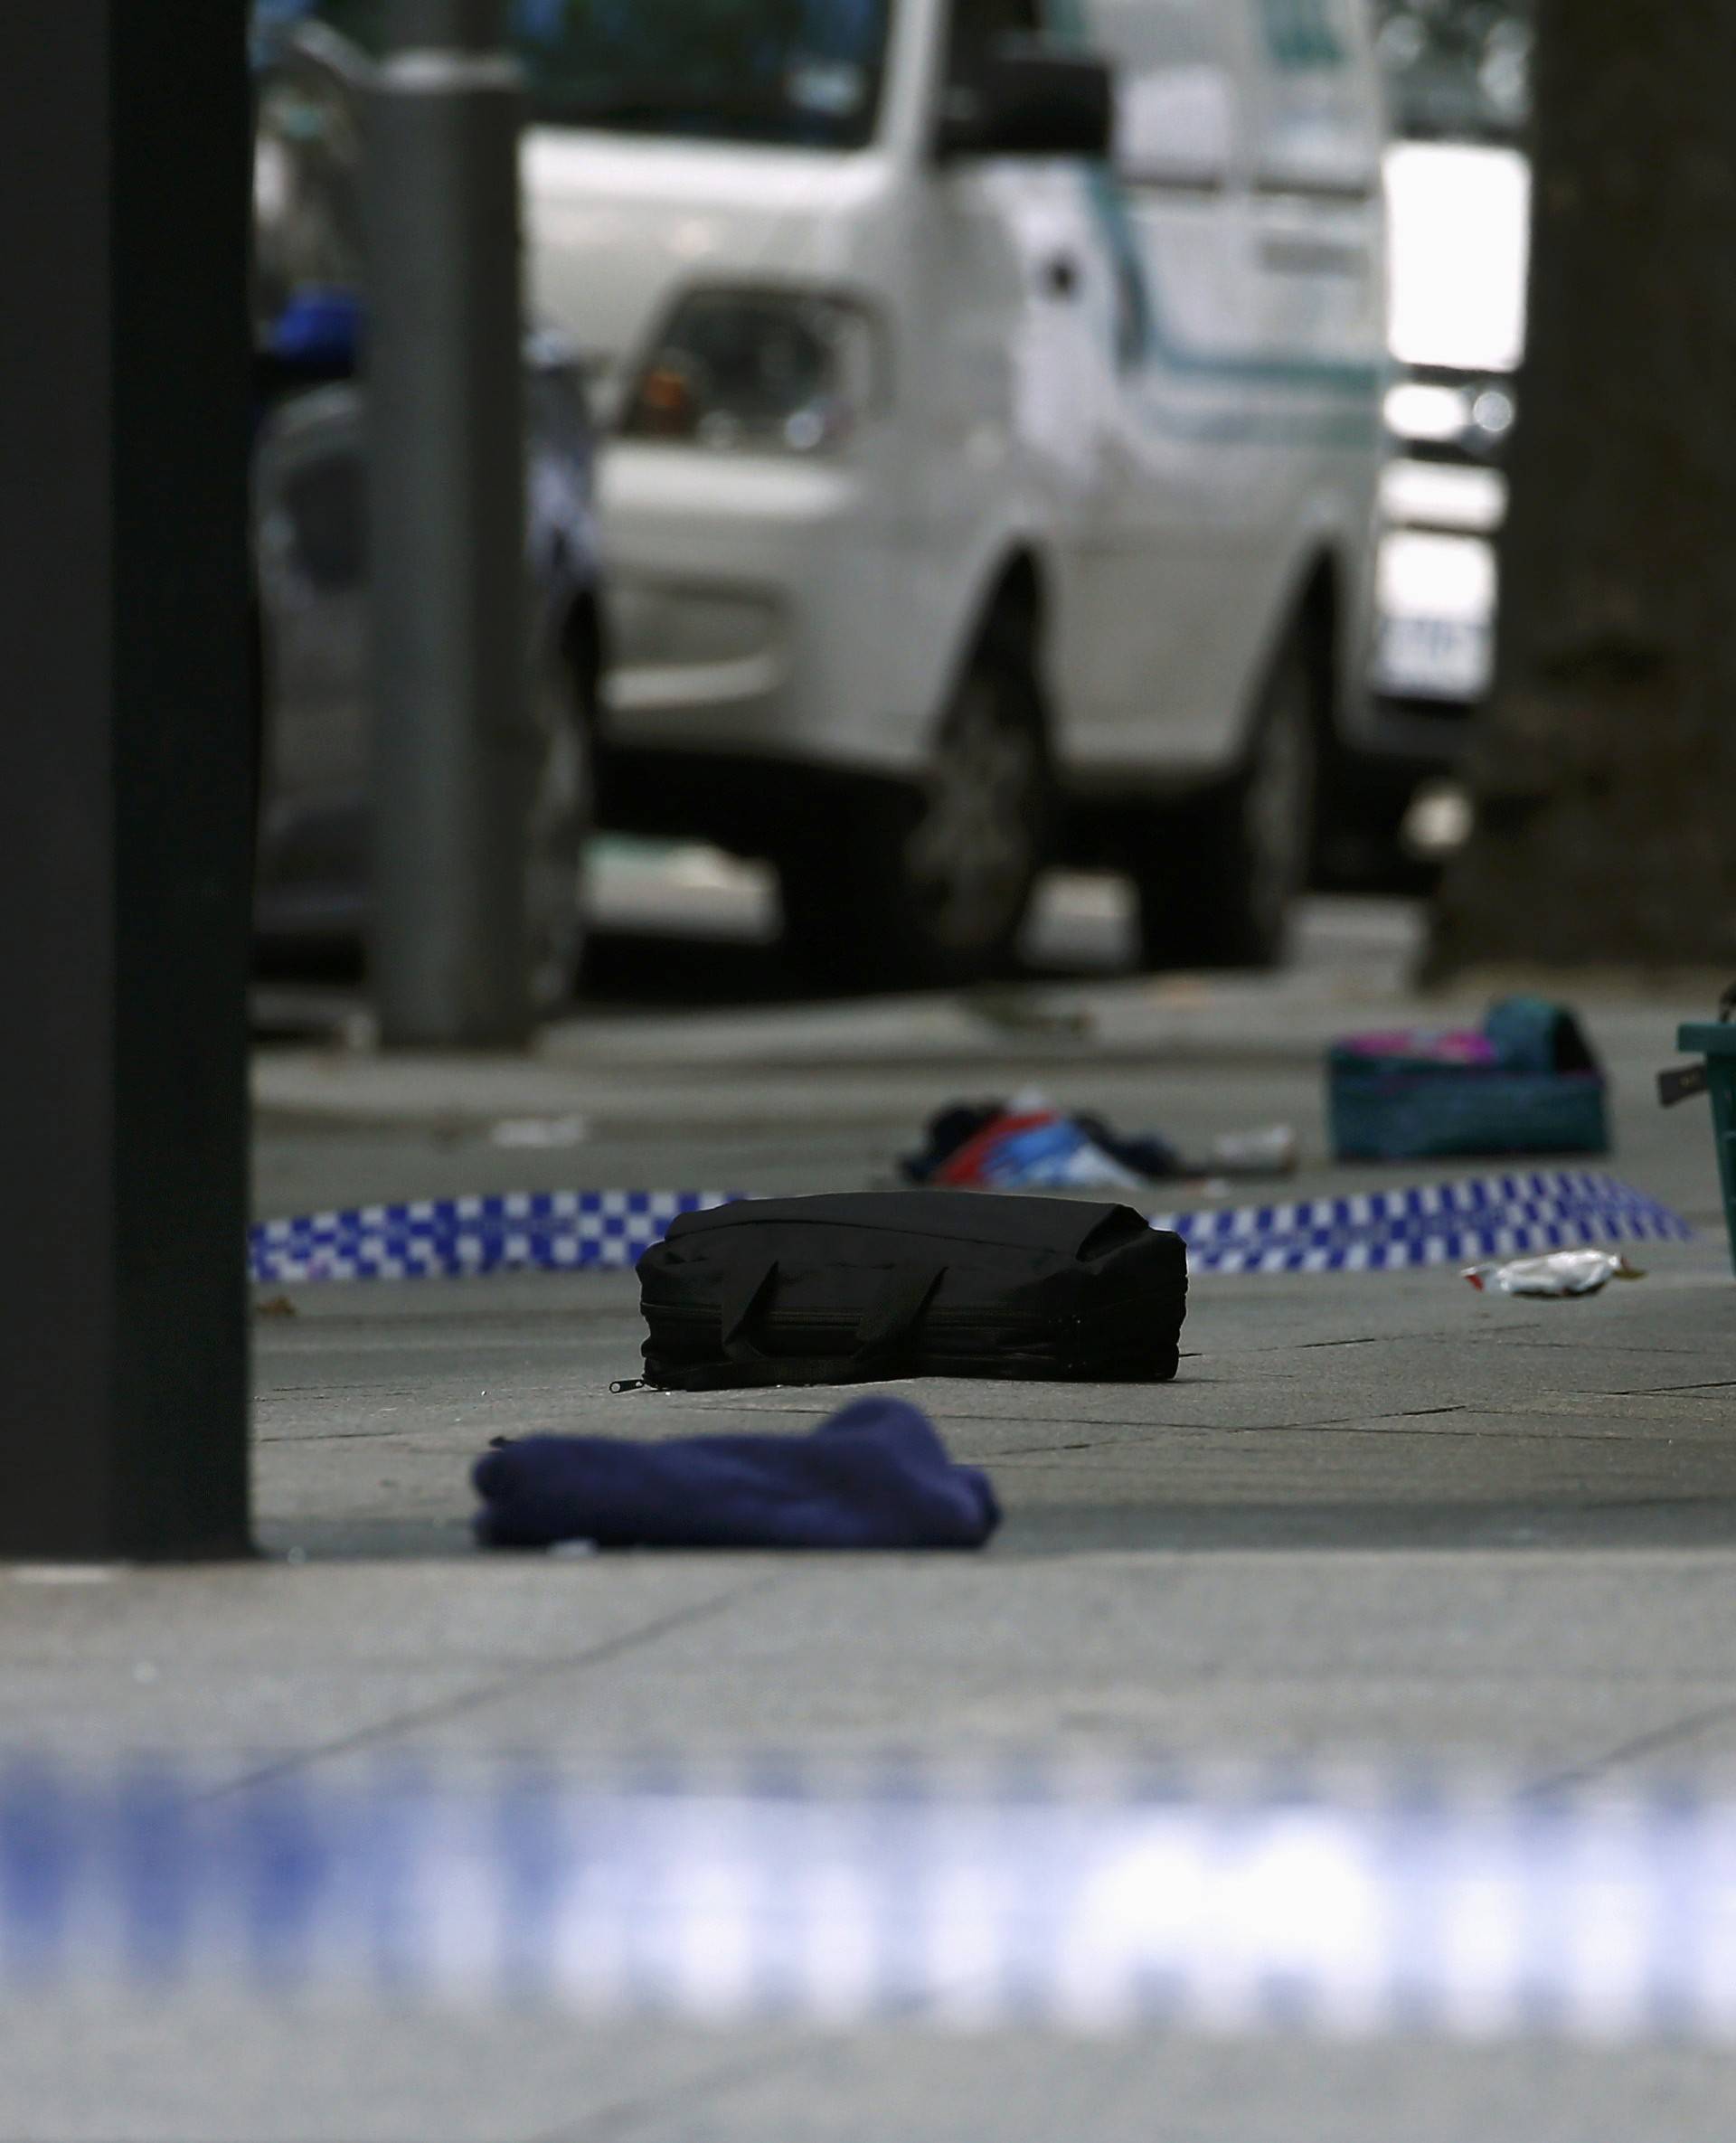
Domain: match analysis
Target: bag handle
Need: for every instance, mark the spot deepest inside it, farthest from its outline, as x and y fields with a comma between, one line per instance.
x=882, y=1331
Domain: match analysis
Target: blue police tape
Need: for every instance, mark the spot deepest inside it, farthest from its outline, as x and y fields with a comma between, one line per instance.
x=1443, y=1224
x=1374, y=1230
x=1015, y=1898
x=547, y=1230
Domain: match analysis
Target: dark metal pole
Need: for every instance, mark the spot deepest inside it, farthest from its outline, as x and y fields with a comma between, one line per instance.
x=125, y=746
x=454, y=752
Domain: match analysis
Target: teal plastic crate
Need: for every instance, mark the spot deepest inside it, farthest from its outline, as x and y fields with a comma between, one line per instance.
x=1717, y=1043
x=1525, y=1082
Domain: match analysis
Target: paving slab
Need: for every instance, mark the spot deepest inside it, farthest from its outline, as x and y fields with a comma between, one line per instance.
x=1534, y=1662
x=140, y=2072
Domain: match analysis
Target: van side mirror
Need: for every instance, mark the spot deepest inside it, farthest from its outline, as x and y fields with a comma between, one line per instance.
x=1026, y=98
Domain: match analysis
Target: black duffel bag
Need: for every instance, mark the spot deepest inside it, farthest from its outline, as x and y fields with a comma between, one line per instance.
x=847, y=1289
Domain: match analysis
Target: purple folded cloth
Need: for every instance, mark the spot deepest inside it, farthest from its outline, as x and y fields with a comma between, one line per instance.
x=874, y=1476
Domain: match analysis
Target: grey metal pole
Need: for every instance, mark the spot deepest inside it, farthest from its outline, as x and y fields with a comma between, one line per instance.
x=454, y=746
x=124, y=750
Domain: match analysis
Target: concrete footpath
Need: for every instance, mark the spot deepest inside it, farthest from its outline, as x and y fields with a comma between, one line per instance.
x=1377, y=1519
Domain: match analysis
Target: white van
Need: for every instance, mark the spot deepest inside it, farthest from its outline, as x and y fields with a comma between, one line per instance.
x=980, y=490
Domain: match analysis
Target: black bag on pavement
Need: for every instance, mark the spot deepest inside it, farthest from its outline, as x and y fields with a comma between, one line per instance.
x=848, y=1288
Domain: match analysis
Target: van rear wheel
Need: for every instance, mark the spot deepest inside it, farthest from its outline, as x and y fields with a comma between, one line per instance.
x=1217, y=878
x=931, y=885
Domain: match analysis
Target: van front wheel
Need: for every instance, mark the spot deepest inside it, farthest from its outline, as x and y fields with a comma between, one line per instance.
x=931, y=885
x=1217, y=878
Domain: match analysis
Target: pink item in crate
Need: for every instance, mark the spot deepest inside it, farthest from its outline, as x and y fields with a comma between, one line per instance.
x=1420, y=1046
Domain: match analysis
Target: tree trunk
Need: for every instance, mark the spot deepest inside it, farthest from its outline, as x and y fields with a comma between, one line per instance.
x=1605, y=771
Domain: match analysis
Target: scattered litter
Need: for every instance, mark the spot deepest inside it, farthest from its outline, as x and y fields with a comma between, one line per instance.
x=1270, y=1151
x=874, y=1476
x=63, y=1573
x=540, y=1131
x=1028, y=1144
x=1526, y=1081
x=1025, y=1144
x=276, y=1305
x=1014, y=1013
x=1565, y=1273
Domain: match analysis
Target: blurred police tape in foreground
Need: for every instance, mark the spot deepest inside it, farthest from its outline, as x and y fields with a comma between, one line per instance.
x=847, y=1894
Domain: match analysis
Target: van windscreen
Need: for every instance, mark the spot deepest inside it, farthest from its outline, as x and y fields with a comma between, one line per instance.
x=800, y=73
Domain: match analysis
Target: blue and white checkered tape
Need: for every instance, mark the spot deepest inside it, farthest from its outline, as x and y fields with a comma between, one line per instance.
x=1442, y=1224
x=1375, y=1231
x=551, y=1231
x=1004, y=1896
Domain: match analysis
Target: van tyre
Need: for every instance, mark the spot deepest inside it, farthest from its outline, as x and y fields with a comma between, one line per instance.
x=930, y=885
x=1218, y=878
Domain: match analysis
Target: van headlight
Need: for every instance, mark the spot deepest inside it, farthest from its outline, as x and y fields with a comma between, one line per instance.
x=759, y=371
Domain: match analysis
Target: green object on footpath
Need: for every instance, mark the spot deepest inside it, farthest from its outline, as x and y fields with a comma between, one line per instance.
x=1716, y=1042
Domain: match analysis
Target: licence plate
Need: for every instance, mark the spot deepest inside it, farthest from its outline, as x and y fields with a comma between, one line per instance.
x=1447, y=658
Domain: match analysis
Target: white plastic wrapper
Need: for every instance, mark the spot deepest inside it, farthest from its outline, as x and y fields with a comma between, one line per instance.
x=1270, y=1151
x=1563, y=1273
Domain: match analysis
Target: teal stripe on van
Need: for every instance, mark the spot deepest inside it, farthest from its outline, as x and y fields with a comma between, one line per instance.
x=1150, y=340
x=1301, y=28
x=1302, y=35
